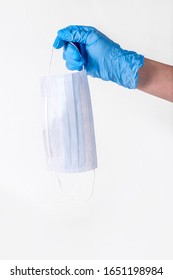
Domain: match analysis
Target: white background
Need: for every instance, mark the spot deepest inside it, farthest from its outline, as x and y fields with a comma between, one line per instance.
x=130, y=214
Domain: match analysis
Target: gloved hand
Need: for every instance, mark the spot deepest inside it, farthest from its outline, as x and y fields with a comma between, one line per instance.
x=101, y=57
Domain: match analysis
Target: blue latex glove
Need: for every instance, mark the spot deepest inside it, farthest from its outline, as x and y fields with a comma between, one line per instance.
x=101, y=57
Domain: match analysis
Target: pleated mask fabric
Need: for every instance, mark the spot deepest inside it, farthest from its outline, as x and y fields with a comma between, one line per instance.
x=68, y=127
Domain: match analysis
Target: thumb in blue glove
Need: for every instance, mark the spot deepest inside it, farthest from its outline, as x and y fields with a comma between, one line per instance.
x=101, y=57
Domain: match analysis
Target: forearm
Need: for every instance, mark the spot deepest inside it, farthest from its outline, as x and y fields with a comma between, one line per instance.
x=157, y=79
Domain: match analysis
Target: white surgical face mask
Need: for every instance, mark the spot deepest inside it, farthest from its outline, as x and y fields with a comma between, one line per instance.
x=68, y=128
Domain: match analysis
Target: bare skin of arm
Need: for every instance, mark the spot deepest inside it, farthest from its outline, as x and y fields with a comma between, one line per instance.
x=157, y=79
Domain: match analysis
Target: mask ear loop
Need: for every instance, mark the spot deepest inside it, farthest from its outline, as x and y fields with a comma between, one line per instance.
x=69, y=198
x=66, y=195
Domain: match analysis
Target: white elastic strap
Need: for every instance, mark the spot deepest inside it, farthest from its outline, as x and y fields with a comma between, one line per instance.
x=47, y=98
x=69, y=197
x=50, y=62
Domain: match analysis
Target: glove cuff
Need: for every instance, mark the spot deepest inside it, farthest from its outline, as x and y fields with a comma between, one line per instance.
x=126, y=67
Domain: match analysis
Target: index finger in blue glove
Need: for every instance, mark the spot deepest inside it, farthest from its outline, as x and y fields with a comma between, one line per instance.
x=75, y=33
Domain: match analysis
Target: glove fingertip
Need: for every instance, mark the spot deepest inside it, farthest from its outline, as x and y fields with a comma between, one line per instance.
x=74, y=66
x=58, y=43
x=70, y=66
